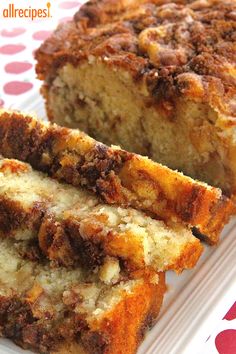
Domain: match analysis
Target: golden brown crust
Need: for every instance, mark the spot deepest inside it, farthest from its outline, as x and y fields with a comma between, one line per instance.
x=115, y=175
x=188, y=258
x=178, y=48
x=142, y=313
x=106, y=336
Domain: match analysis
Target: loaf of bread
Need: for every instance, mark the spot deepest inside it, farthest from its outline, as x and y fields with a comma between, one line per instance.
x=71, y=311
x=117, y=176
x=156, y=77
x=72, y=226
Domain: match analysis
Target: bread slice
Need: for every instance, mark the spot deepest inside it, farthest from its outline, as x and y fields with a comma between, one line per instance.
x=119, y=177
x=73, y=226
x=72, y=311
x=156, y=77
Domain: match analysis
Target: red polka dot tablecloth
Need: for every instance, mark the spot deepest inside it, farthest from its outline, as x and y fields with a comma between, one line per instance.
x=18, y=41
x=222, y=330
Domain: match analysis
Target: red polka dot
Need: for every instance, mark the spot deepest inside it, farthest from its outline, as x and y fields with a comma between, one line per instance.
x=17, y=67
x=231, y=314
x=13, y=32
x=11, y=48
x=65, y=19
x=226, y=342
x=17, y=87
x=1, y=103
x=68, y=4
x=41, y=35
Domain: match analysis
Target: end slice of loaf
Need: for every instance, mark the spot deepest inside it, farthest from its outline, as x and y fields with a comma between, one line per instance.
x=155, y=77
x=62, y=311
x=73, y=226
x=119, y=177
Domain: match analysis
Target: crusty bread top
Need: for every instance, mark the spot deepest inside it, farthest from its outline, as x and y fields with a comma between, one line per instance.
x=115, y=175
x=177, y=48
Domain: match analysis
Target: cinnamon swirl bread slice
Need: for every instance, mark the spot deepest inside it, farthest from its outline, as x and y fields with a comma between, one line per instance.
x=73, y=226
x=61, y=310
x=117, y=176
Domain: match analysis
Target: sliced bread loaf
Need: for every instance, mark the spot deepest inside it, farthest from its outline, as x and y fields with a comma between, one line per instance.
x=73, y=226
x=119, y=177
x=155, y=77
x=54, y=311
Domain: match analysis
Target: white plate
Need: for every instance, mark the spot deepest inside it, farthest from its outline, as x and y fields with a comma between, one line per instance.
x=195, y=300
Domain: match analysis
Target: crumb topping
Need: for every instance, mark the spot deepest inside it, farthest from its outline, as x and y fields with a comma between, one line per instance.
x=176, y=47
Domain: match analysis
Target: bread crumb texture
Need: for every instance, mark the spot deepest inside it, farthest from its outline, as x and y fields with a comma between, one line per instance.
x=73, y=226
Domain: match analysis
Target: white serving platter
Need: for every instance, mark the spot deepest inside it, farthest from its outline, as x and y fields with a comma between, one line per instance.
x=195, y=300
